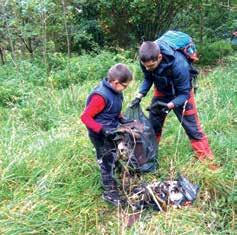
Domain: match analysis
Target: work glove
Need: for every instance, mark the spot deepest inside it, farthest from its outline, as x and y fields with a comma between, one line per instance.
x=170, y=106
x=109, y=133
x=158, y=110
x=164, y=110
x=136, y=101
x=160, y=107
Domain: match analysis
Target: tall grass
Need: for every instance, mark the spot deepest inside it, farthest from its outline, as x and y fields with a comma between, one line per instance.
x=49, y=180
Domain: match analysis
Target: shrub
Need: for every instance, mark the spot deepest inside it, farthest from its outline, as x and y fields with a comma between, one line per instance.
x=84, y=68
x=211, y=52
x=9, y=96
x=60, y=71
x=32, y=71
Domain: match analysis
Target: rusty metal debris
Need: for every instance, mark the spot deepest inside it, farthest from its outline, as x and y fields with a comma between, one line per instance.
x=161, y=195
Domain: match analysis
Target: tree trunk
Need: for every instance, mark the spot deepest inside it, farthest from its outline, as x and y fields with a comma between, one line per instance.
x=201, y=22
x=66, y=29
x=2, y=56
x=28, y=45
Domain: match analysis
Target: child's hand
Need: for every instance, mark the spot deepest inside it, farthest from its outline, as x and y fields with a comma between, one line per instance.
x=109, y=133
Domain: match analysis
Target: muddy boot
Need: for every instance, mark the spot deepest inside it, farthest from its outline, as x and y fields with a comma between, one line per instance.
x=212, y=165
x=113, y=197
x=108, y=183
x=111, y=193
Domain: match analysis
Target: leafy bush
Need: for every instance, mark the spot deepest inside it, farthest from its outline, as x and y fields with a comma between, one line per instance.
x=83, y=68
x=60, y=71
x=32, y=71
x=56, y=61
x=211, y=52
x=9, y=95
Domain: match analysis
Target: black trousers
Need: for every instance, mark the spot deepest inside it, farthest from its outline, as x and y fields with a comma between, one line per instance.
x=106, y=157
x=188, y=117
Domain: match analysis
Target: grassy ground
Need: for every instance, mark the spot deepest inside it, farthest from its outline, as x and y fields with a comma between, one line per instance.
x=49, y=180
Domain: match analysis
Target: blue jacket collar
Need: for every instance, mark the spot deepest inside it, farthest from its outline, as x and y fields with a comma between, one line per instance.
x=108, y=85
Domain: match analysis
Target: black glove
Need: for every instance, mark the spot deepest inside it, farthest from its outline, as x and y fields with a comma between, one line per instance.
x=165, y=110
x=135, y=102
x=158, y=107
x=109, y=133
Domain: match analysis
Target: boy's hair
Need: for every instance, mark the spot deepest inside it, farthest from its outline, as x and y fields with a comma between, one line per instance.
x=119, y=72
x=149, y=51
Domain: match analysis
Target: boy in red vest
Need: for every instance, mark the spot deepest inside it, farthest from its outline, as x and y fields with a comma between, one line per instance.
x=102, y=116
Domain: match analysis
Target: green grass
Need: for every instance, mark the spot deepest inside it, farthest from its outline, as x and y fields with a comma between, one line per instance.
x=49, y=180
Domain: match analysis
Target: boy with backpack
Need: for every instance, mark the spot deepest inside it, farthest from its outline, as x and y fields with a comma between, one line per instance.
x=171, y=74
x=102, y=116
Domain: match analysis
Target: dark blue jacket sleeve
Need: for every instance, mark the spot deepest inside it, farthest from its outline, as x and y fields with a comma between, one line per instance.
x=181, y=80
x=147, y=82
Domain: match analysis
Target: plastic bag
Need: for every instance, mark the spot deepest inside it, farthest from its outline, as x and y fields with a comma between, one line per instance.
x=189, y=190
x=146, y=148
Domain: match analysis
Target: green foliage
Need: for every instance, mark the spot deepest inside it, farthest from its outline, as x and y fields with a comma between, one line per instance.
x=210, y=53
x=18, y=82
x=60, y=72
x=87, y=32
x=49, y=178
x=207, y=21
x=81, y=69
x=9, y=96
x=145, y=19
x=36, y=28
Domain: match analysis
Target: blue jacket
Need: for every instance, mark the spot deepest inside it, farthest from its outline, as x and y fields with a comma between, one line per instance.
x=172, y=77
x=109, y=117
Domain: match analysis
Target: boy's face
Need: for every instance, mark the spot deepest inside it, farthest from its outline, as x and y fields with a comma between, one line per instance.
x=119, y=86
x=152, y=64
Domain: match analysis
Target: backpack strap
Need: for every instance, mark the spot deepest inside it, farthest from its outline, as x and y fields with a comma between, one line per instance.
x=193, y=78
x=169, y=73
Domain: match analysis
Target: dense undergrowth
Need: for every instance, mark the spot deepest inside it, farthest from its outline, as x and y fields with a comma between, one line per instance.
x=49, y=181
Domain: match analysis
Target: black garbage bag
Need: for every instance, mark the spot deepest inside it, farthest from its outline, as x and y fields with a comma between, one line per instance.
x=146, y=148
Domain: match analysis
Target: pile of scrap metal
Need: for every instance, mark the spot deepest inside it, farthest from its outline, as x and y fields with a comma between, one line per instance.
x=161, y=195
x=133, y=158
